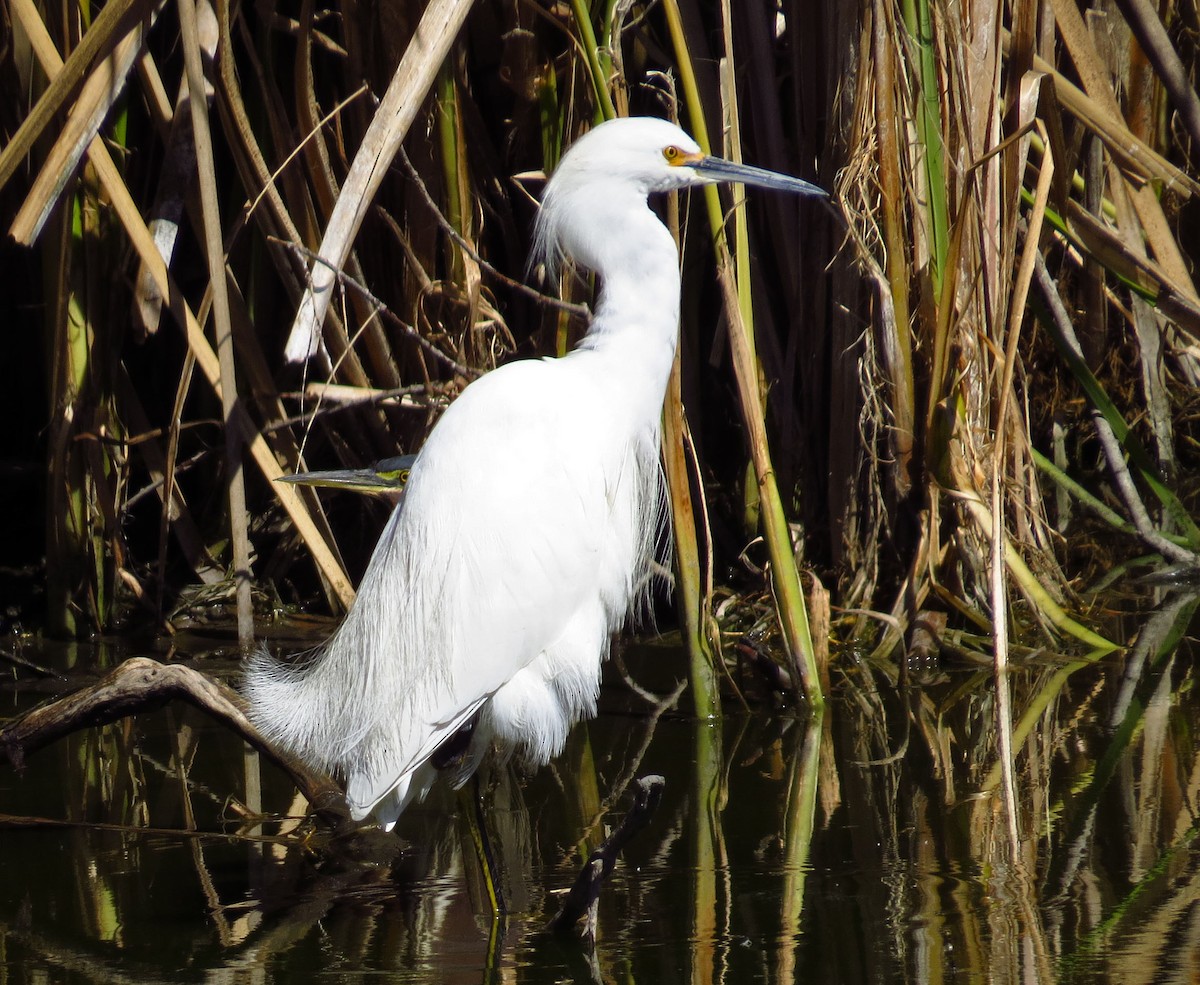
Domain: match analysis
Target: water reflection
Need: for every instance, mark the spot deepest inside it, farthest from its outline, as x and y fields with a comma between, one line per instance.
x=867, y=847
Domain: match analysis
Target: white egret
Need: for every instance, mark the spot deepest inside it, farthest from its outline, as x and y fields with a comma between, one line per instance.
x=528, y=523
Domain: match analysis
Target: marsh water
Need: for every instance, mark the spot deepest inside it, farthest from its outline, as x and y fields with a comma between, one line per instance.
x=868, y=846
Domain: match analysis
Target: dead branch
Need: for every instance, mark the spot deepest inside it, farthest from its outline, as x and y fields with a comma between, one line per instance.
x=140, y=685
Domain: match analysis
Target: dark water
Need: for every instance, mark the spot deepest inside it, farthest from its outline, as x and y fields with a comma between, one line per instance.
x=867, y=847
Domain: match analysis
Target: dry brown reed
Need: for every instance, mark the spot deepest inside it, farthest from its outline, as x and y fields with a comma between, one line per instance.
x=929, y=418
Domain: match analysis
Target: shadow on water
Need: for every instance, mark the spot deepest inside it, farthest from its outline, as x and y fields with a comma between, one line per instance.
x=867, y=847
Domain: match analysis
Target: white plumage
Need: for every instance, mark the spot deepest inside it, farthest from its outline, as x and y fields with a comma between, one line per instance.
x=529, y=518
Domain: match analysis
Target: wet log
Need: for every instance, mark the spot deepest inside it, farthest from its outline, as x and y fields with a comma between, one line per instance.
x=140, y=685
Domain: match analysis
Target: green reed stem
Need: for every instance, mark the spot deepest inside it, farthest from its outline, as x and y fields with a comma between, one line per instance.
x=587, y=37
x=785, y=577
x=919, y=21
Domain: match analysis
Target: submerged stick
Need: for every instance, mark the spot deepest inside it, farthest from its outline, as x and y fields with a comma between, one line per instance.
x=140, y=685
x=585, y=893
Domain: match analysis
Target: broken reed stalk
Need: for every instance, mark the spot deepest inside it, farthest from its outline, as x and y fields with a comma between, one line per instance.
x=113, y=20
x=1114, y=455
x=998, y=581
x=411, y=82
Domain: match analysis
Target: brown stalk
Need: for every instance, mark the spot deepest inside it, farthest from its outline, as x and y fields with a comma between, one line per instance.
x=1156, y=43
x=235, y=489
x=411, y=82
x=102, y=89
x=113, y=22
x=898, y=341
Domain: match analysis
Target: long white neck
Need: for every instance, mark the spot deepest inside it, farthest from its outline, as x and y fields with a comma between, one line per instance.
x=636, y=323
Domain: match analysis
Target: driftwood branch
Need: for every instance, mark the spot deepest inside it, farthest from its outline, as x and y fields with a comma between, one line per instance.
x=140, y=685
x=584, y=895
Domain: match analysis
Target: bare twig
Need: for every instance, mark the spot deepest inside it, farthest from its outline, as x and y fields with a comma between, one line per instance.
x=346, y=281
x=15, y=658
x=18, y=821
x=403, y=396
x=621, y=784
x=581, y=311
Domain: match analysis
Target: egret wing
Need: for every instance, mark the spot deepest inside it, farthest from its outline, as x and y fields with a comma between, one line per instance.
x=497, y=546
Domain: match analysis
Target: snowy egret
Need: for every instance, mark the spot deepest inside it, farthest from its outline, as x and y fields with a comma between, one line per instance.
x=529, y=519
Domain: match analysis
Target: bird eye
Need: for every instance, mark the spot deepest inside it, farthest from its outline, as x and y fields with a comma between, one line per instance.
x=672, y=154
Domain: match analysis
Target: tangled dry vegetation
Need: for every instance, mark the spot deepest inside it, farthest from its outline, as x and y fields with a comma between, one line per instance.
x=999, y=322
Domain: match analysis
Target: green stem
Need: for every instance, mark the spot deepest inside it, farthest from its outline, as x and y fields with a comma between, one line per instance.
x=694, y=603
x=785, y=578
x=587, y=37
x=918, y=20
x=447, y=123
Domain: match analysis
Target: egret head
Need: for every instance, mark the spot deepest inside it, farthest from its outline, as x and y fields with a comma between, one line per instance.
x=646, y=153
x=625, y=158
